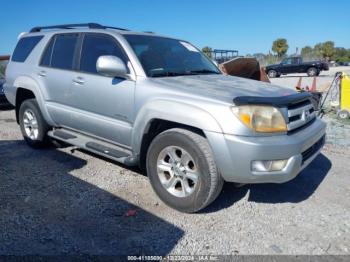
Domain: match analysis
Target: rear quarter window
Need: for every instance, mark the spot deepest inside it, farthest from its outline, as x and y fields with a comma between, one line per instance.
x=24, y=47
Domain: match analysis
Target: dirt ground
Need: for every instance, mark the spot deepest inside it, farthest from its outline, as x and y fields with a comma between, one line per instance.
x=56, y=202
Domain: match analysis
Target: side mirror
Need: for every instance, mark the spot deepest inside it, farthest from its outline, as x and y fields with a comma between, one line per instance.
x=111, y=66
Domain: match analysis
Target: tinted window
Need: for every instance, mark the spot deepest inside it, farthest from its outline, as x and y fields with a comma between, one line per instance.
x=295, y=60
x=287, y=61
x=95, y=46
x=24, y=47
x=63, y=51
x=46, y=58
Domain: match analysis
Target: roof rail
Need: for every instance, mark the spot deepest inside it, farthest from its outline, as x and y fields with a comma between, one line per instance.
x=71, y=26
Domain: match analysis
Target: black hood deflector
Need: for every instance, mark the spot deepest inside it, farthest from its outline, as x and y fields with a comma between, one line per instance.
x=279, y=101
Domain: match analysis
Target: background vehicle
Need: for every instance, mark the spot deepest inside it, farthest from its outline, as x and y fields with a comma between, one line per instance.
x=296, y=64
x=157, y=102
x=3, y=63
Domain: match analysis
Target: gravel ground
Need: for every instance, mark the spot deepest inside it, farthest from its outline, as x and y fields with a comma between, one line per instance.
x=55, y=201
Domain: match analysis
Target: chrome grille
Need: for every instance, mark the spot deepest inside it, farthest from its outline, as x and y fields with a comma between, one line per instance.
x=299, y=114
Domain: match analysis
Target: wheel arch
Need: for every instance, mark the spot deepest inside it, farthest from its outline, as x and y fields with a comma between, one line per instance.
x=159, y=116
x=27, y=88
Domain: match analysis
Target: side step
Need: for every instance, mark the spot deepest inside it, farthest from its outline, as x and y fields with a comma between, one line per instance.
x=94, y=145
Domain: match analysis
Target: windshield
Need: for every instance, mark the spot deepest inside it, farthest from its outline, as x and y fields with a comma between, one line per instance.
x=161, y=56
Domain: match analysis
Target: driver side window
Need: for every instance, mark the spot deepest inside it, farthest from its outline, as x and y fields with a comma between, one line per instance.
x=96, y=45
x=287, y=61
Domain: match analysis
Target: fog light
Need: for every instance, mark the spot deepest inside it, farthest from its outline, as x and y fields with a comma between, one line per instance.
x=268, y=165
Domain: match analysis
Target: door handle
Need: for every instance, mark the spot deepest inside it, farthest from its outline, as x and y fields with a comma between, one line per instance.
x=79, y=80
x=42, y=73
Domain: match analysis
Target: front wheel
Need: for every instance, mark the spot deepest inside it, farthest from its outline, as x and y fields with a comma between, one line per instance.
x=33, y=126
x=182, y=170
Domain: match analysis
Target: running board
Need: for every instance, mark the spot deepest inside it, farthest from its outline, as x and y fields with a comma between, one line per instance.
x=94, y=145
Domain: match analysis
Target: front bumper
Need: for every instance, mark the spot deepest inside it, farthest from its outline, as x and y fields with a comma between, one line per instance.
x=234, y=154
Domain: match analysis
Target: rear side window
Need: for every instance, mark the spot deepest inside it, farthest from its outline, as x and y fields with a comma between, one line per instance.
x=24, y=47
x=46, y=58
x=96, y=45
x=63, y=51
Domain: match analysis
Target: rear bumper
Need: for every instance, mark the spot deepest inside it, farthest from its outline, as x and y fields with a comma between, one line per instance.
x=234, y=154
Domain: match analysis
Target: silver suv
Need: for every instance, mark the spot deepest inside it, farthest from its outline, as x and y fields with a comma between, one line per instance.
x=157, y=102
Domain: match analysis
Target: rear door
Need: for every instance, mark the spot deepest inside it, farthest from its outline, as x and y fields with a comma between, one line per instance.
x=103, y=106
x=56, y=73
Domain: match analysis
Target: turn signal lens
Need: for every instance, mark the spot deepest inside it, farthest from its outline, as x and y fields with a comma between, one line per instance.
x=265, y=119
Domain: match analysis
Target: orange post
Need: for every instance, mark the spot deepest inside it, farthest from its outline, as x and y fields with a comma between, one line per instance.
x=313, y=86
x=298, y=86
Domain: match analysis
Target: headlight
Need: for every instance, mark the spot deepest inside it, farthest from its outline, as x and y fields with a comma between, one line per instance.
x=265, y=119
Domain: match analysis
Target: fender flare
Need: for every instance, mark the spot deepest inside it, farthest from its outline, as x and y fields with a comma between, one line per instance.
x=174, y=111
x=26, y=82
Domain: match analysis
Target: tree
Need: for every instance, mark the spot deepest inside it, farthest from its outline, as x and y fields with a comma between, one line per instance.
x=306, y=51
x=328, y=49
x=318, y=50
x=207, y=51
x=280, y=46
x=341, y=54
x=325, y=50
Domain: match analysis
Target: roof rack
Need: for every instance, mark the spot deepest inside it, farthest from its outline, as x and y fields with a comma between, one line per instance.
x=72, y=26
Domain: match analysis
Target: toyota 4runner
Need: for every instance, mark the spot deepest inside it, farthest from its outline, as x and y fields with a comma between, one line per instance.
x=157, y=102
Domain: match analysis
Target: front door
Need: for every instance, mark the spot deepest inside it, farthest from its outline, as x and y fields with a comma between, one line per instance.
x=102, y=106
x=287, y=66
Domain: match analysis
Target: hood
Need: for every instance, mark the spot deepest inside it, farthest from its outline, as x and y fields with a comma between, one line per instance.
x=221, y=87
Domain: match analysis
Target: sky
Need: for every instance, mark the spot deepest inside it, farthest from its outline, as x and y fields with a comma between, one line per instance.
x=248, y=26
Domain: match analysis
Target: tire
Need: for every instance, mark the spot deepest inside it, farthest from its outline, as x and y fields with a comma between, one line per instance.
x=196, y=152
x=33, y=126
x=272, y=73
x=312, y=71
x=343, y=114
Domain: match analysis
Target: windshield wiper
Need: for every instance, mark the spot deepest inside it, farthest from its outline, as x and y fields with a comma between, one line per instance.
x=203, y=71
x=161, y=74
x=186, y=73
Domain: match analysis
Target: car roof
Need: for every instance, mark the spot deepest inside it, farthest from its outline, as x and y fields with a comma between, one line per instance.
x=83, y=28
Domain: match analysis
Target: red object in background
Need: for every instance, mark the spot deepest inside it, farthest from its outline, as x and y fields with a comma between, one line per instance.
x=131, y=213
x=4, y=57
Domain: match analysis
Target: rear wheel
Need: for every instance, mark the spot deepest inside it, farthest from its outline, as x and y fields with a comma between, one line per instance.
x=272, y=73
x=33, y=126
x=182, y=170
x=312, y=71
